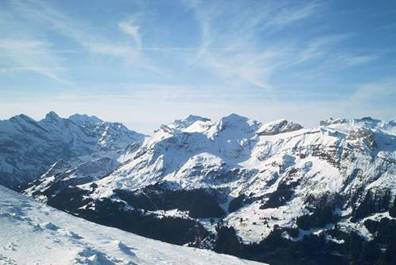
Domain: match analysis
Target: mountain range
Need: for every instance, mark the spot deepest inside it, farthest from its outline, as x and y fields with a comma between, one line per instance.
x=29, y=147
x=272, y=192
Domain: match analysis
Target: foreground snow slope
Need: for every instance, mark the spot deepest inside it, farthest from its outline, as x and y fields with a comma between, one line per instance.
x=33, y=233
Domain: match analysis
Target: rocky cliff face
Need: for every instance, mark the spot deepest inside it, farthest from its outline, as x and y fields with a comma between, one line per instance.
x=272, y=192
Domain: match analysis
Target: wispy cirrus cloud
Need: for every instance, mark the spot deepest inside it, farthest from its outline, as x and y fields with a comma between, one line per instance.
x=355, y=59
x=33, y=56
x=229, y=41
x=129, y=27
x=287, y=15
x=324, y=48
x=238, y=44
x=318, y=46
x=374, y=92
x=244, y=46
x=85, y=35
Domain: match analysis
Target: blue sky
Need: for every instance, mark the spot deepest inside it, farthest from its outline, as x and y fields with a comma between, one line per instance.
x=148, y=62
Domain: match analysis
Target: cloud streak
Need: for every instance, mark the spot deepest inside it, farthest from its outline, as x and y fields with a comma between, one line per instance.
x=32, y=56
x=229, y=46
x=288, y=15
x=129, y=27
x=131, y=53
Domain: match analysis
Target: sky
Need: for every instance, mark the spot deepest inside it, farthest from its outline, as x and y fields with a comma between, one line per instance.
x=148, y=62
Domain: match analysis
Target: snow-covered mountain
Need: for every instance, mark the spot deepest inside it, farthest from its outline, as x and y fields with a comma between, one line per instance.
x=273, y=192
x=33, y=233
x=29, y=147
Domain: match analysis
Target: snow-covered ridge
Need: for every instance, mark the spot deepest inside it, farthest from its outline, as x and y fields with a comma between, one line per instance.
x=237, y=142
x=29, y=147
x=277, y=127
x=32, y=233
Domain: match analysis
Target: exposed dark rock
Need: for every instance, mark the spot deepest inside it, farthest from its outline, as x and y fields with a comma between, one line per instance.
x=226, y=241
x=322, y=212
x=237, y=203
x=373, y=202
x=200, y=203
x=282, y=195
x=116, y=214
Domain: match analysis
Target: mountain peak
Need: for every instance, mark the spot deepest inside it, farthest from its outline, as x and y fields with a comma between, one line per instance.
x=233, y=117
x=194, y=118
x=185, y=123
x=279, y=126
x=332, y=121
x=21, y=117
x=52, y=116
x=84, y=119
x=235, y=121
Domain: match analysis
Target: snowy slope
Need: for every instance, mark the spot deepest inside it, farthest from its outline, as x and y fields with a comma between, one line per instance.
x=32, y=233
